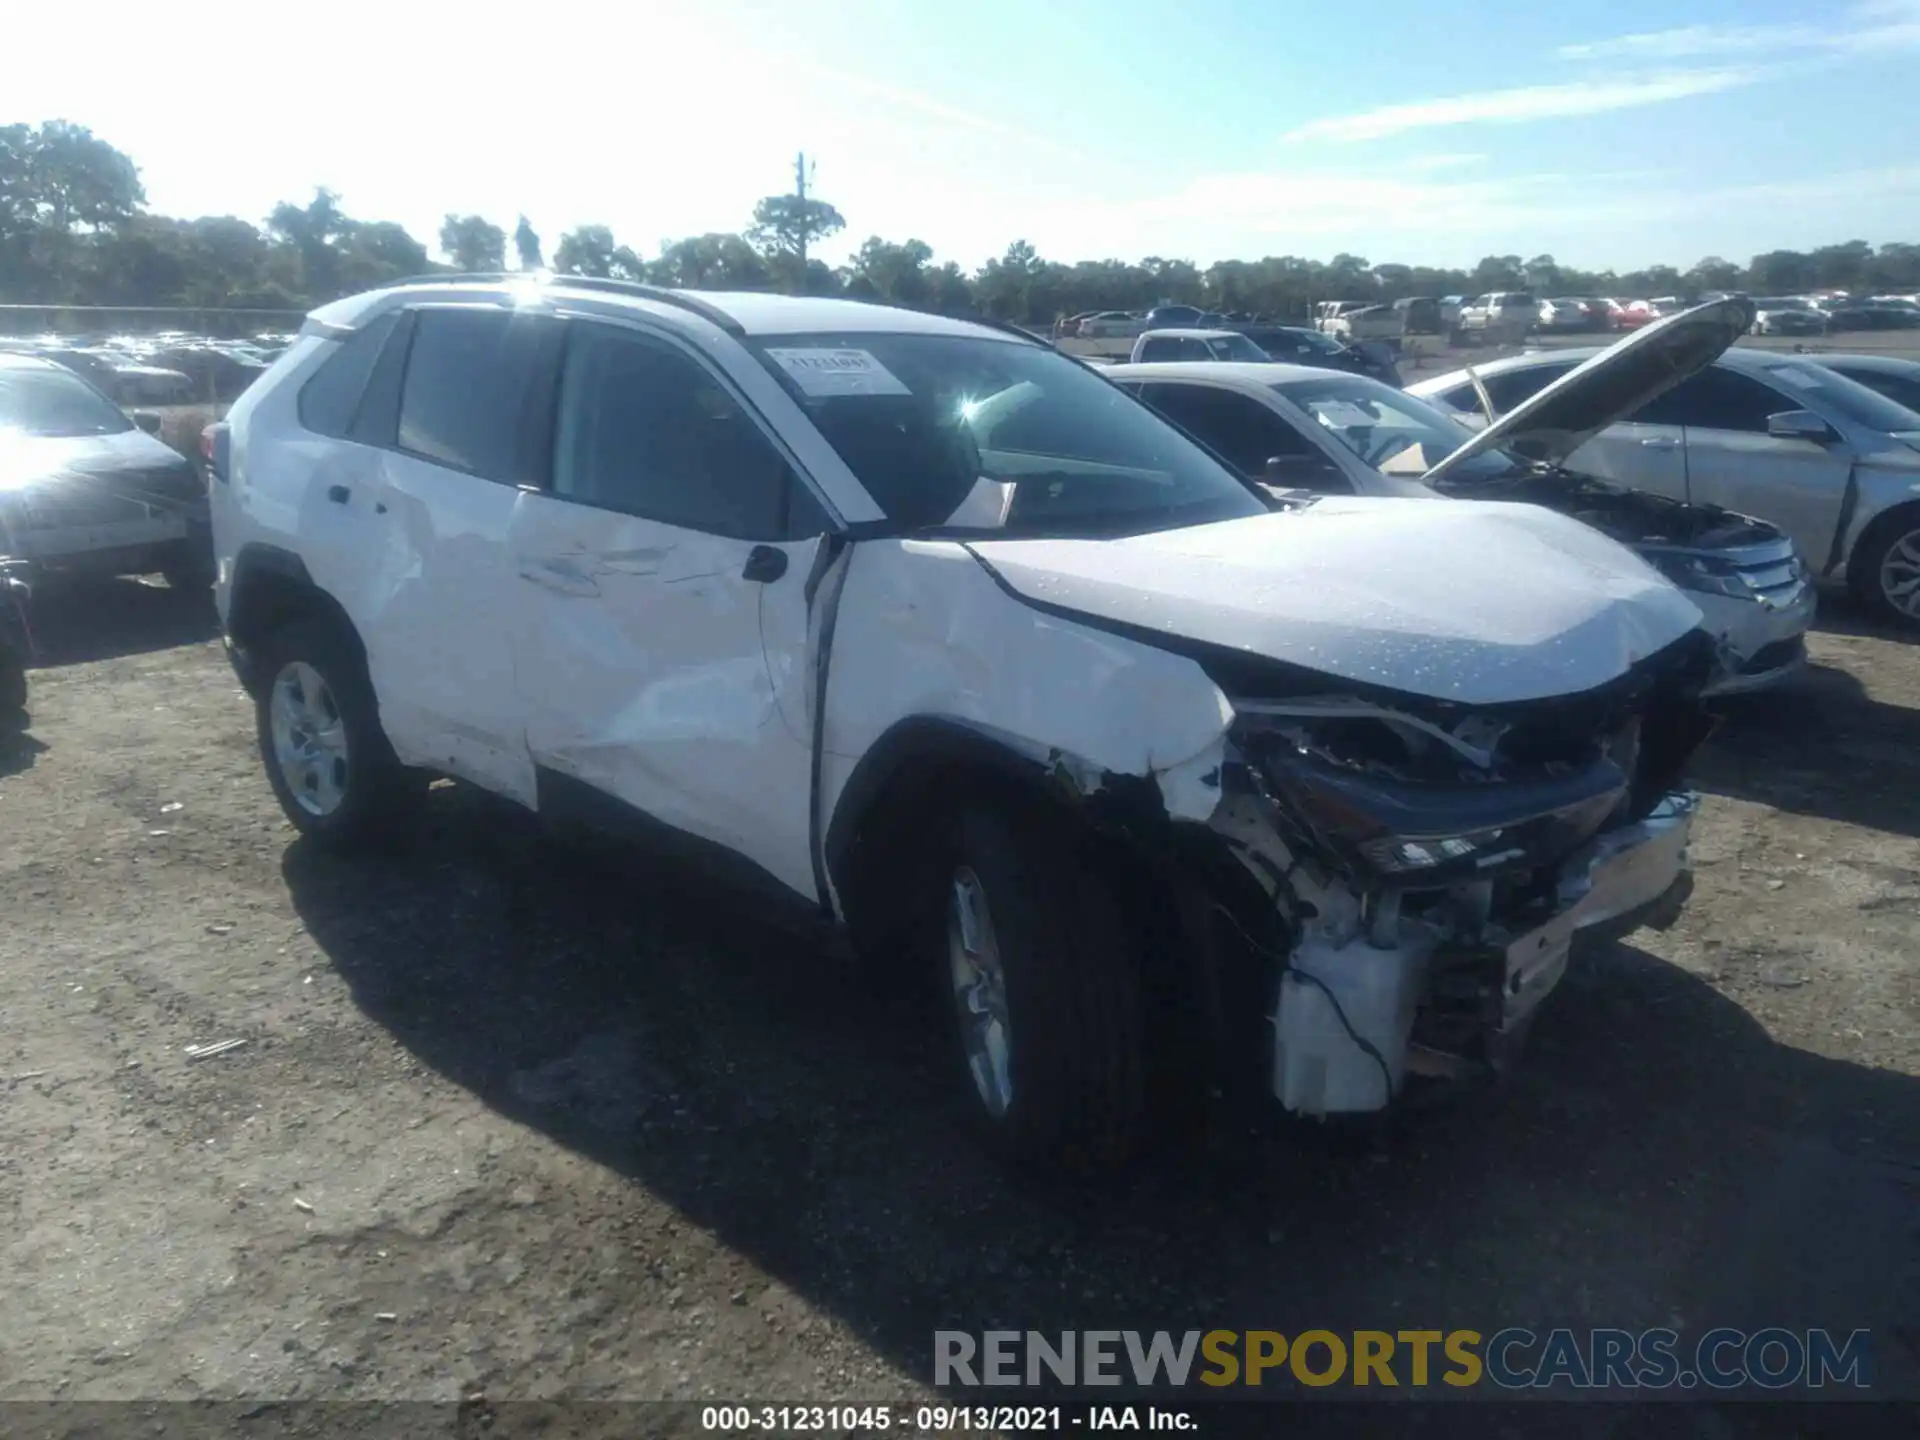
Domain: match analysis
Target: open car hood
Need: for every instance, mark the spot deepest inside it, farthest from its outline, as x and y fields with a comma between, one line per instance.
x=1612, y=385
x=1482, y=604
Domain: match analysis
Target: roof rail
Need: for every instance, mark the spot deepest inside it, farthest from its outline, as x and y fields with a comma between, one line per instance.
x=681, y=299
x=1007, y=327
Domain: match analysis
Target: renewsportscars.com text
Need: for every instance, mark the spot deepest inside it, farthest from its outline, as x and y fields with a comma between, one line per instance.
x=1511, y=1359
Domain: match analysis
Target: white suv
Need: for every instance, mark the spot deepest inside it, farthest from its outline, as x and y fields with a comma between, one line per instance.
x=935, y=632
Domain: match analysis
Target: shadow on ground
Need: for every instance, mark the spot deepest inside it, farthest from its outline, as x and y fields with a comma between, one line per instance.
x=1657, y=1159
x=1819, y=746
x=75, y=622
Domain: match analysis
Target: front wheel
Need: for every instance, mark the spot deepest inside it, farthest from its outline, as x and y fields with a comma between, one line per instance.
x=1044, y=987
x=327, y=759
x=1885, y=569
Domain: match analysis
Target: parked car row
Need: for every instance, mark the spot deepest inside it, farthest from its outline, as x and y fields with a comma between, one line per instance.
x=1232, y=717
x=171, y=368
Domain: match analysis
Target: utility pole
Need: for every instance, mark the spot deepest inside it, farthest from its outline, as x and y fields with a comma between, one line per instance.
x=800, y=190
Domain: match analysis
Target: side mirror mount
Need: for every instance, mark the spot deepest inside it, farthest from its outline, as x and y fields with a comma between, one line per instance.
x=147, y=420
x=1800, y=425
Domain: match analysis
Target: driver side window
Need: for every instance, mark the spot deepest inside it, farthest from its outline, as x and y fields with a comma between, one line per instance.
x=1246, y=434
x=1716, y=399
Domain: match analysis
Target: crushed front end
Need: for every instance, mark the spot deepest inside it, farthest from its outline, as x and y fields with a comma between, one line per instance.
x=1421, y=870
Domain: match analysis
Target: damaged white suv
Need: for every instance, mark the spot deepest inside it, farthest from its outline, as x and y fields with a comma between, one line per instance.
x=1147, y=764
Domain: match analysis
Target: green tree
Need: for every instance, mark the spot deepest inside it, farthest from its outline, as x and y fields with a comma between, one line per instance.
x=592, y=250
x=1779, y=272
x=526, y=245
x=792, y=225
x=473, y=244
x=894, y=273
x=586, y=250
x=1712, y=273
x=310, y=231
x=713, y=262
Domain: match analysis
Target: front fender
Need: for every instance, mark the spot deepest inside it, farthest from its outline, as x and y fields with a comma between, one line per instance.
x=929, y=650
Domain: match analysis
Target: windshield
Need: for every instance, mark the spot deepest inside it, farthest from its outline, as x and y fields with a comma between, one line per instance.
x=957, y=432
x=1392, y=431
x=55, y=403
x=1865, y=407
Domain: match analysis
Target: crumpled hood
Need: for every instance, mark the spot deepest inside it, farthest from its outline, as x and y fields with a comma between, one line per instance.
x=1482, y=604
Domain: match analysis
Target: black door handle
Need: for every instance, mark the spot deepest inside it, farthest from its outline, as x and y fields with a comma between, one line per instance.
x=764, y=565
x=338, y=494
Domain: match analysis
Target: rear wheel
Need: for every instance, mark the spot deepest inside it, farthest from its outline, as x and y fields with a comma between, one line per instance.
x=329, y=763
x=1885, y=568
x=1044, y=992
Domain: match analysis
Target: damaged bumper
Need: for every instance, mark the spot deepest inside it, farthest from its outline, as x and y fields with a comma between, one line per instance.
x=1354, y=1020
x=1431, y=869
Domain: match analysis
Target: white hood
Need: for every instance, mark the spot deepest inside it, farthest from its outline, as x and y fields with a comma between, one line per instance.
x=1481, y=604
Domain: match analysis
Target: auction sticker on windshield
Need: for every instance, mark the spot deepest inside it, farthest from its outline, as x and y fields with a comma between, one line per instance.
x=1340, y=414
x=837, y=372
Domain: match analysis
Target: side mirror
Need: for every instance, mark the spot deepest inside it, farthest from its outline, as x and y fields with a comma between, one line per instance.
x=1303, y=472
x=1800, y=425
x=147, y=420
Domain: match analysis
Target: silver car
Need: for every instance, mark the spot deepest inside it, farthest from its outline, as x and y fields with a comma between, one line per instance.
x=1834, y=464
x=1312, y=430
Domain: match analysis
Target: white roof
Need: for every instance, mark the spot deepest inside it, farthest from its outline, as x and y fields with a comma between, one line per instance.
x=754, y=312
x=1179, y=333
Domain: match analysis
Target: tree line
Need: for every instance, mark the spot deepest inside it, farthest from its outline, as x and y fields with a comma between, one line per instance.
x=75, y=229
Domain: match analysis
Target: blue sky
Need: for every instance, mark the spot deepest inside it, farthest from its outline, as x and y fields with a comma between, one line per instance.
x=1619, y=134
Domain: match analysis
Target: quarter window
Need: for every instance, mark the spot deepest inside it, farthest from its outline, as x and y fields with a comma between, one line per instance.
x=332, y=393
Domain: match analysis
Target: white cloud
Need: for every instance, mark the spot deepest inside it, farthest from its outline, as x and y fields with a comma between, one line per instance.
x=1875, y=25
x=1531, y=102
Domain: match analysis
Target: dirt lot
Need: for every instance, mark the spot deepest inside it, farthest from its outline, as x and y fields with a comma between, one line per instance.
x=513, y=1120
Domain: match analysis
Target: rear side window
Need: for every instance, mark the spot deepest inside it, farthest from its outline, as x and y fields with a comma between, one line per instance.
x=331, y=396
x=471, y=376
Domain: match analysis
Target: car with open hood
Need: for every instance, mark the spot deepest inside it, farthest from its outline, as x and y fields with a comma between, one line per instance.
x=1779, y=436
x=1344, y=435
x=929, y=632
x=85, y=490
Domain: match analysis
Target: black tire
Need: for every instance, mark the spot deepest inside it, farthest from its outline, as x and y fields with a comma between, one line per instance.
x=189, y=567
x=1072, y=984
x=1899, y=527
x=379, y=792
x=13, y=689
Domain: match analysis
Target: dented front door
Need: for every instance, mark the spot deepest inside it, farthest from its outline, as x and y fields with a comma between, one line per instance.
x=661, y=613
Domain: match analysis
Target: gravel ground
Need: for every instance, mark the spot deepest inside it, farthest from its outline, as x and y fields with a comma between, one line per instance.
x=517, y=1120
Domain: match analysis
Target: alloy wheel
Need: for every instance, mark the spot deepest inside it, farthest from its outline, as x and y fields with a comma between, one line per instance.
x=309, y=739
x=979, y=992
x=1900, y=575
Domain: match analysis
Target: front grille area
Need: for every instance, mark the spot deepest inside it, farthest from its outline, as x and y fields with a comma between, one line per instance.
x=1772, y=570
